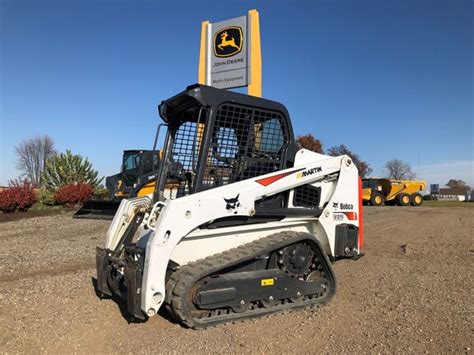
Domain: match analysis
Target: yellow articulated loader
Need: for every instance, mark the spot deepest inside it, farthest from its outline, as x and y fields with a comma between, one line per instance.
x=379, y=191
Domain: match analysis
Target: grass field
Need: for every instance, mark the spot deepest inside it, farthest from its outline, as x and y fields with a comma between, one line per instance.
x=448, y=204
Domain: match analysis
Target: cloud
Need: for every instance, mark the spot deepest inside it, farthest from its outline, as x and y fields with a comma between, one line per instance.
x=440, y=173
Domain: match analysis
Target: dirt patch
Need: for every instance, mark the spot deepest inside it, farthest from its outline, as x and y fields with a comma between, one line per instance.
x=412, y=292
x=18, y=215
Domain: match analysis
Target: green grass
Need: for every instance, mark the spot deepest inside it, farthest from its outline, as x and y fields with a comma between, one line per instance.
x=448, y=204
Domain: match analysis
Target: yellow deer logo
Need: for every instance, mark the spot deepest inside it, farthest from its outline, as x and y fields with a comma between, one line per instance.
x=228, y=41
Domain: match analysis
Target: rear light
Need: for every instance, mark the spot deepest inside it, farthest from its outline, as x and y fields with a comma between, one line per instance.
x=361, y=217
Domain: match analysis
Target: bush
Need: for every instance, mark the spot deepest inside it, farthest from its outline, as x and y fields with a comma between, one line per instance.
x=101, y=194
x=67, y=168
x=7, y=201
x=46, y=197
x=72, y=194
x=19, y=195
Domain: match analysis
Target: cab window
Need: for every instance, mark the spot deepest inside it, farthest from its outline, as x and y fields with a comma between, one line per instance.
x=131, y=162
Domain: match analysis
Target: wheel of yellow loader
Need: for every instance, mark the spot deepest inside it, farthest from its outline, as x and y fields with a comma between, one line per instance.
x=403, y=200
x=377, y=199
x=416, y=199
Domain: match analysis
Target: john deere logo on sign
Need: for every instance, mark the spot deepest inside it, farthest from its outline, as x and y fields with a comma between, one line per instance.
x=228, y=41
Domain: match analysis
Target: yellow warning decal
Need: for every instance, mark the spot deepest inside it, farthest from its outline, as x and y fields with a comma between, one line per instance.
x=267, y=282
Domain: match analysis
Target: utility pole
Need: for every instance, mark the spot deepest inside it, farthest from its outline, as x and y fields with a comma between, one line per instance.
x=419, y=170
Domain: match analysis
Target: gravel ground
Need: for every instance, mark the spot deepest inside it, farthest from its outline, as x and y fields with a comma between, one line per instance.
x=412, y=292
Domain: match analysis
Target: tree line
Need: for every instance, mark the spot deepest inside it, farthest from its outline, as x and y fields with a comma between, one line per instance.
x=395, y=169
x=41, y=164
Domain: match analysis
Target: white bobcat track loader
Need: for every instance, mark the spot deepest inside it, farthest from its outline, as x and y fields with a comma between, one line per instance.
x=251, y=227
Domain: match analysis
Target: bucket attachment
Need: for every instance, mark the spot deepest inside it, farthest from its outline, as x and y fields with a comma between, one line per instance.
x=98, y=209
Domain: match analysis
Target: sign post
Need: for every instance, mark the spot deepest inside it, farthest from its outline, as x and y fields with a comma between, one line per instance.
x=230, y=54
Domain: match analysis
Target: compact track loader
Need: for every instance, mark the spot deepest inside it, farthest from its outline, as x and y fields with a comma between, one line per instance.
x=248, y=225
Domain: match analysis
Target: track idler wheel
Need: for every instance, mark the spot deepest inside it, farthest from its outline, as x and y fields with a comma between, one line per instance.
x=296, y=259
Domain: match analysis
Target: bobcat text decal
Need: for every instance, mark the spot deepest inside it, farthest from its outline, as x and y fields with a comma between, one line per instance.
x=343, y=206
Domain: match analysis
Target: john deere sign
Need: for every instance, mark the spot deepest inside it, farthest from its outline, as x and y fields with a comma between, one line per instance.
x=226, y=48
x=227, y=54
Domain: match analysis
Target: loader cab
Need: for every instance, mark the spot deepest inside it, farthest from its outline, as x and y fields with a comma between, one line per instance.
x=138, y=167
x=137, y=163
x=130, y=166
x=373, y=185
x=370, y=184
x=217, y=137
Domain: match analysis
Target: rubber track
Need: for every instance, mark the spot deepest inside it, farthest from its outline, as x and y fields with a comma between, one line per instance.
x=182, y=280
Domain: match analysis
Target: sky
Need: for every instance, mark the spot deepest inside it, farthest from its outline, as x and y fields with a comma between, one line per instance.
x=389, y=79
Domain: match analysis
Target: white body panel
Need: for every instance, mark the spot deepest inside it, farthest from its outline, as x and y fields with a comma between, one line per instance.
x=202, y=243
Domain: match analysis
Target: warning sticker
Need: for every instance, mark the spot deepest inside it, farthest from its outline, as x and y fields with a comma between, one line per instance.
x=267, y=282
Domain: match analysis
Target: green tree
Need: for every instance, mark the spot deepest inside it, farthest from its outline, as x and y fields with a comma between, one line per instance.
x=459, y=185
x=67, y=168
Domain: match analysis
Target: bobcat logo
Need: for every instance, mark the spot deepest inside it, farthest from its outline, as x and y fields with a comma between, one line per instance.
x=232, y=203
x=228, y=42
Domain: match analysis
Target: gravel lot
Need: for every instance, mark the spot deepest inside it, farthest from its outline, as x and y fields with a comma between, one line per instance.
x=412, y=292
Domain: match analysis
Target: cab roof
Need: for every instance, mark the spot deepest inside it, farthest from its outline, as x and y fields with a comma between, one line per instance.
x=206, y=96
